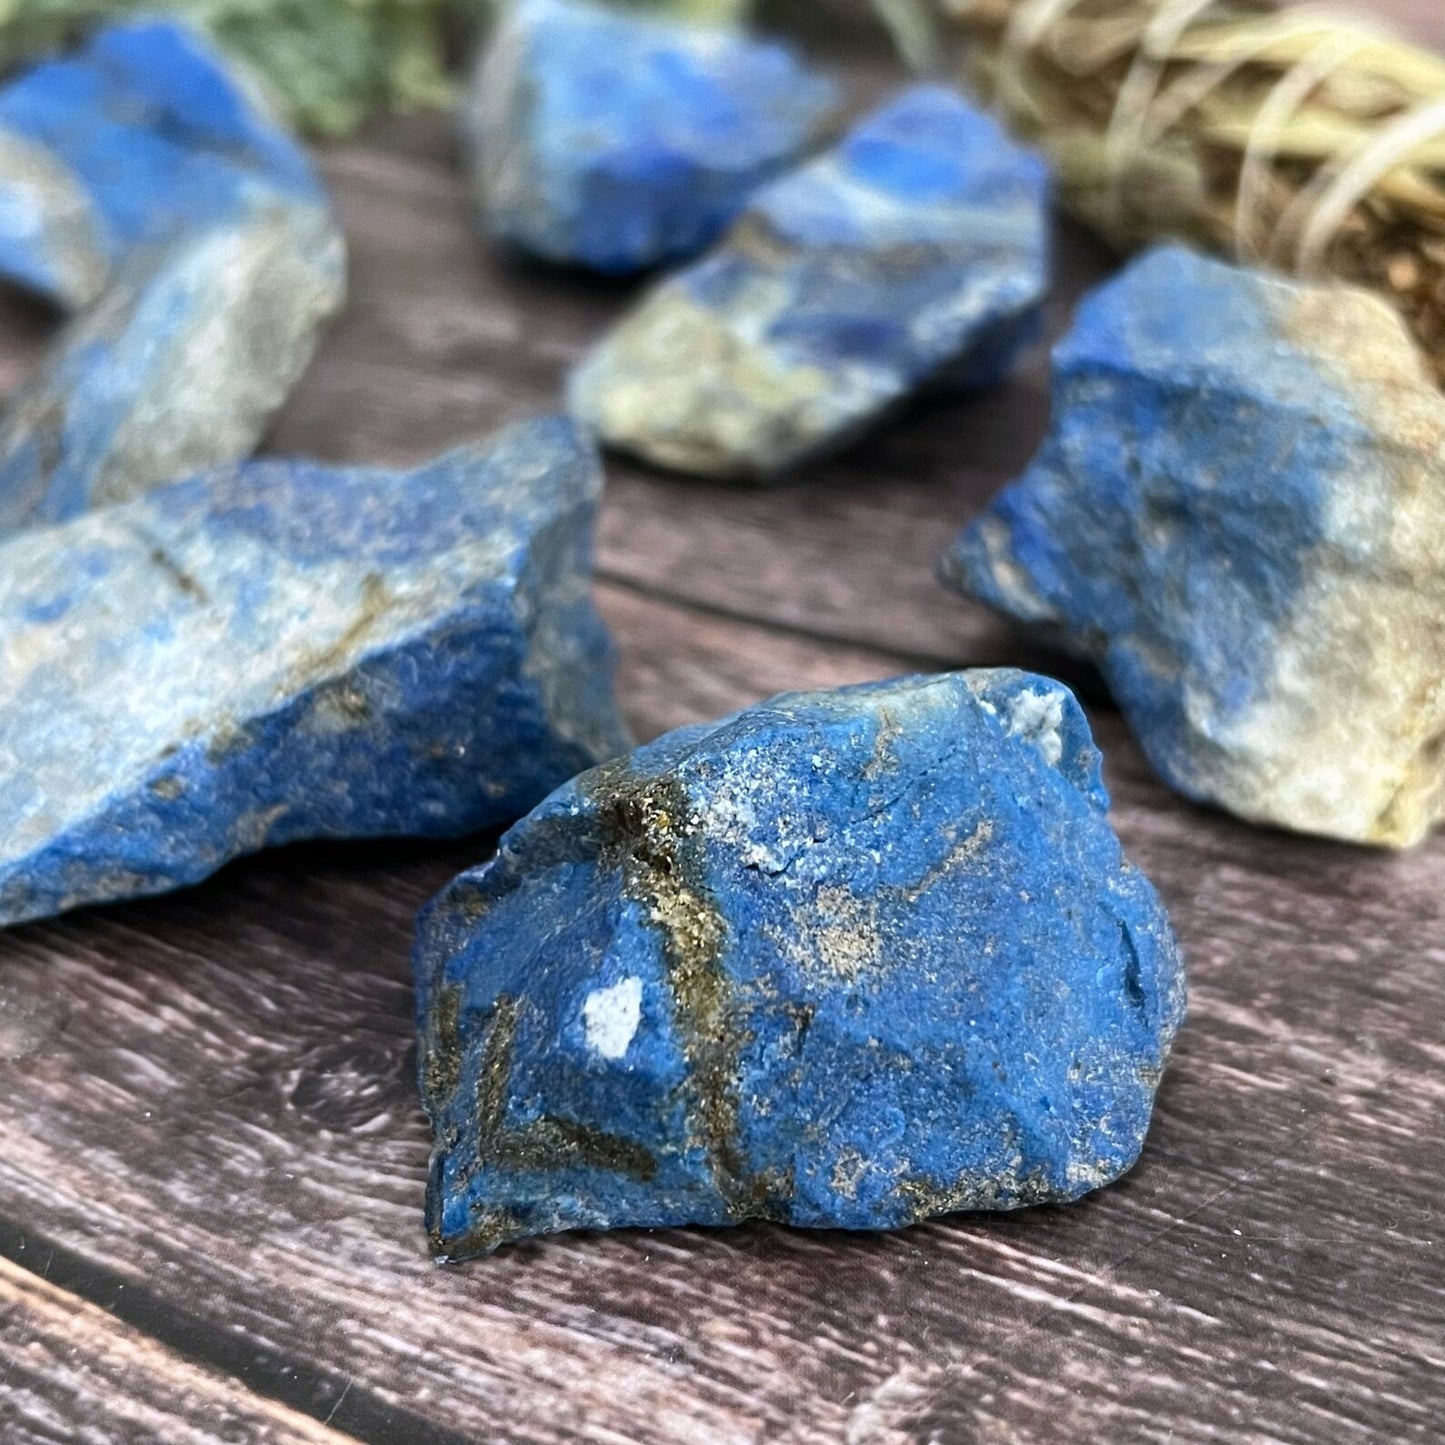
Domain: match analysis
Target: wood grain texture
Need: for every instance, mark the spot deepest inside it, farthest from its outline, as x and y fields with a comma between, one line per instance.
x=68, y=1372
x=208, y=1123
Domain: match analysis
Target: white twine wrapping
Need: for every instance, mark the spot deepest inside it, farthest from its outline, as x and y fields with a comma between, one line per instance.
x=1145, y=111
x=1027, y=25
x=1124, y=138
x=1340, y=186
x=1295, y=87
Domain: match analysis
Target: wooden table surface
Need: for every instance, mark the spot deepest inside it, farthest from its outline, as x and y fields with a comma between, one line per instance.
x=211, y=1153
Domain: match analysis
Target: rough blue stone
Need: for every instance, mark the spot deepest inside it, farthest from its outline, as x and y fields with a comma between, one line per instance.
x=914, y=256
x=285, y=651
x=138, y=137
x=1238, y=512
x=140, y=179
x=179, y=367
x=844, y=959
x=618, y=141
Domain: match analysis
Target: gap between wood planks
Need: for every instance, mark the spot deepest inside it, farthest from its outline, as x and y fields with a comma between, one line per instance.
x=73, y=1327
x=55, y=1346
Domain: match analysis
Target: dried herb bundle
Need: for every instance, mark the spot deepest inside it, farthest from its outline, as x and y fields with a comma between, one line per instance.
x=1307, y=140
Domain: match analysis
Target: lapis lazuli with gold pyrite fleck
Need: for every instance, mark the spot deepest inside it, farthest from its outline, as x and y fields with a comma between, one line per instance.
x=1239, y=513
x=844, y=960
x=286, y=651
x=913, y=257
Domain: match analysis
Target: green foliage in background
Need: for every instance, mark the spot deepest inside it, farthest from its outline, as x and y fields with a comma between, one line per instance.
x=326, y=63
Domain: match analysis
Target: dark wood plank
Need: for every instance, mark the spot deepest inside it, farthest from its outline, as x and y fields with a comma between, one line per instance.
x=68, y=1371
x=696, y=667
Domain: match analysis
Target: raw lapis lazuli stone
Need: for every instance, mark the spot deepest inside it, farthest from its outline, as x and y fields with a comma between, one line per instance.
x=179, y=367
x=844, y=959
x=284, y=651
x=617, y=141
x=1240, y=513
x=140, y=136
x=215, y=262
x=912, y=257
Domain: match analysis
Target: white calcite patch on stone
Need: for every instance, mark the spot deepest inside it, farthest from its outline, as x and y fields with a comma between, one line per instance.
x=1039, y=717
x=611, y=1017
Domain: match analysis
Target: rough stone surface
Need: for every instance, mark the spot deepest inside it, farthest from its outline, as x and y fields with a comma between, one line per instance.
x=202, y=244
x=282, y=651
x=844, y=959
x=141, y=136
x=1240, y=513
x=914, y=256
x=179, y=367
x=617, y=141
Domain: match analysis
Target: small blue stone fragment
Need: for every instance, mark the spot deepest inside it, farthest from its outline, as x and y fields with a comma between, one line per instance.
x=285, y=651
x=140, y=136
x=618, y=141
x=138, y=178
x=178, y=368
x=1238, y=513
x=912, y=257
x=844, y=959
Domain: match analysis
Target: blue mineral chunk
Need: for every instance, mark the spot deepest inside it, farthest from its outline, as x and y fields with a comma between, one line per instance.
x=1239, y=512
x=845, y=959
x=179, y=367
x=140, y=136
x=283, y=651
x=912, y=257
x=139, y=181
x=617, y=141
